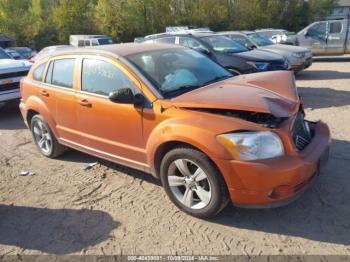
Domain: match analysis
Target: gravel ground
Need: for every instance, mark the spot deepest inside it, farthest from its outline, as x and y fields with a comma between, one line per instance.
x=110, y=209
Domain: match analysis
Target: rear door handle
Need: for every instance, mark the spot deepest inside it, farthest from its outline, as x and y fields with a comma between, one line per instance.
x=44, y=93
x=85, y=102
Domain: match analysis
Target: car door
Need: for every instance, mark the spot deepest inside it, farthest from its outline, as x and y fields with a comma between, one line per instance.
x=59, y=86
x=336, y=37
x=110, y=130
x=315, y=38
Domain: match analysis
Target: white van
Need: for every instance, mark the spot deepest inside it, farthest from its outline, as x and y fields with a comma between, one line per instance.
x=89, y=40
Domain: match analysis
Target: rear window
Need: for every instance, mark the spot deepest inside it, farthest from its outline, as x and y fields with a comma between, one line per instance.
x=38, y=72
x=61, y=72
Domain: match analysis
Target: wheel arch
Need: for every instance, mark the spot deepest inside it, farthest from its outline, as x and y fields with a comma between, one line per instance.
x=36, y=106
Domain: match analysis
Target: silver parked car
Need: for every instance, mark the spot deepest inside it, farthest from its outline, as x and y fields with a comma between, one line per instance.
x=298, y=57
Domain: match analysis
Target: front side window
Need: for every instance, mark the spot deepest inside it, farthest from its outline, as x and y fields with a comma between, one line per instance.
x=101, y=77
x=38, y=72
x=60, y=72
x=317, y=31
x=178, y=70
x=224, y=44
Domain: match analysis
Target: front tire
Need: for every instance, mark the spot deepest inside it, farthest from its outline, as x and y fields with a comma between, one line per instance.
x=193, y=183
x=44, y=139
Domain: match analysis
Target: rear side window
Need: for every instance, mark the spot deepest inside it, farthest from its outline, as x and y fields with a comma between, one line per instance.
x=166, y=40
x=61, y=72
x=38, y=72
x=335, y=27
x=238, y=38
x=101, y=77
x=190, y=42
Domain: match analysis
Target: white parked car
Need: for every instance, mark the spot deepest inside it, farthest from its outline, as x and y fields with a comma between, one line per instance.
x=11, y=72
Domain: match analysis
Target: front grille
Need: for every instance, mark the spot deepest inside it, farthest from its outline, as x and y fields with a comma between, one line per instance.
x=14, y=74
x=301, y=132
x=10, y=86
x=276, y=66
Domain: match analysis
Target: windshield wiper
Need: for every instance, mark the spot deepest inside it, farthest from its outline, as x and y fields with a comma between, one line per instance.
x=217, y=79
x=180, y=90
x=231, y=51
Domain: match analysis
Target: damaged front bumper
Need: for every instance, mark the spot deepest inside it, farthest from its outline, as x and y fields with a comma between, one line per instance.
x=275, y=182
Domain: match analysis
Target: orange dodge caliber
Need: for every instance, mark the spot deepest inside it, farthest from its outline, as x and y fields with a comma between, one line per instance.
x=172, y=112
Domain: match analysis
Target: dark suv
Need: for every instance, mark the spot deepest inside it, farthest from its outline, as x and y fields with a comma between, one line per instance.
x=223, y=50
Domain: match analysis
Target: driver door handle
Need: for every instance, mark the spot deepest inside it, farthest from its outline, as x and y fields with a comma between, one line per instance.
x=84, y=102
x=44, y=93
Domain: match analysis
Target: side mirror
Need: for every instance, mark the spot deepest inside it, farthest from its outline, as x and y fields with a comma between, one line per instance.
x=122, y=96
x=305, y=33
x=204, y=51
x=250, y=46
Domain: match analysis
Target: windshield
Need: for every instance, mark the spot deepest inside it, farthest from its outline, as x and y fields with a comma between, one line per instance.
x=178, y=70
x=105, y=41
x=4, y=55
x=224, y=44
x=26, y=53
x=259, y=39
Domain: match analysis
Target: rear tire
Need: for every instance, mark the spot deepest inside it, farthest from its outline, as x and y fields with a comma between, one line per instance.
x=193, y=183
x=44, y=139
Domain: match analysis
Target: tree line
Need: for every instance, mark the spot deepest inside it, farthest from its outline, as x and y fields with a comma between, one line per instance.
x=50, y=22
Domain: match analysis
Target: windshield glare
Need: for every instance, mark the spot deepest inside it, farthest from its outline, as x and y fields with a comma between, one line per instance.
x=260, y=40
x=176, y=71
x=224, y=44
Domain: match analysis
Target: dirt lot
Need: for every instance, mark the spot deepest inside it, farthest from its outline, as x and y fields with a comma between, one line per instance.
x=110, y=209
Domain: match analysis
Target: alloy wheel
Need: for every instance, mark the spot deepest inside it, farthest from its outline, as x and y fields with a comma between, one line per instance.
x=189, y=183
x=42, y=137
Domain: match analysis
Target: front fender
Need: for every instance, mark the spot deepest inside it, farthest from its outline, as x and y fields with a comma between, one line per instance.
x=187, y=131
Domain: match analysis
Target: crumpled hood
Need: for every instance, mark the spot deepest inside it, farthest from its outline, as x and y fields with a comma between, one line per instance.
x=260, y=55
x=11, y=63
x=268, y=92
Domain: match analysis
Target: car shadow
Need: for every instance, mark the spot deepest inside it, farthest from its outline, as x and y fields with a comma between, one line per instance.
x=53, y=231
x=321, y=214
x=316, y=97
x=10, y=117
x=322, y=75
